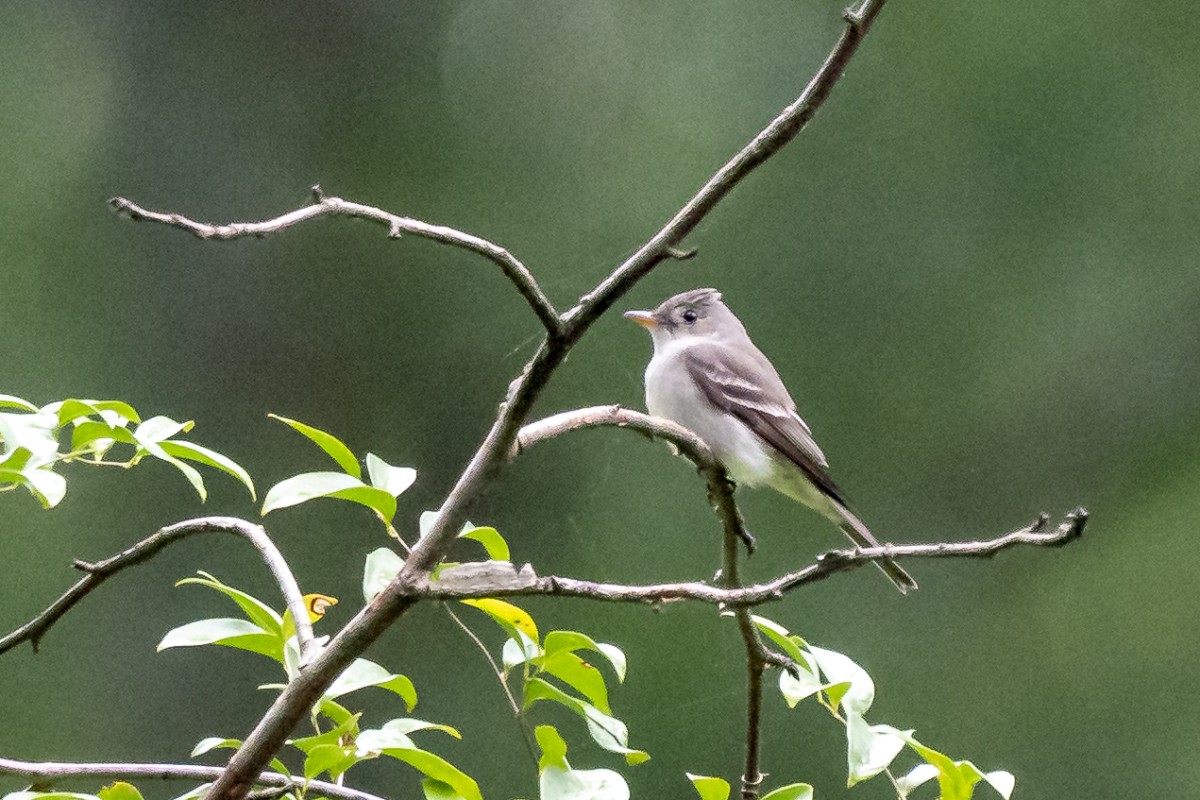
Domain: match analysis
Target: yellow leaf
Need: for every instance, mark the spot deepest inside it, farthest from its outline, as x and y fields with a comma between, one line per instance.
x=517, y=617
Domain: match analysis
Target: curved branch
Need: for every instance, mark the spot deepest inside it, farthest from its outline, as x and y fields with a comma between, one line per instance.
x=829, y=563
x=45, y=771
x=683, y=441
x=397, y=225
x=99, y=572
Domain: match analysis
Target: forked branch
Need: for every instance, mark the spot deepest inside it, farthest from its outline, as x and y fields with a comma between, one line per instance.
x=323, y=206
x=100, y=571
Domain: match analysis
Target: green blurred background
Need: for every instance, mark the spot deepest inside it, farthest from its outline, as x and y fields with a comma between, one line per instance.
x=977, y=270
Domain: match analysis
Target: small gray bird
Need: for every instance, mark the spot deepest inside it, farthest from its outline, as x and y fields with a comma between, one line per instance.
x=709, y=377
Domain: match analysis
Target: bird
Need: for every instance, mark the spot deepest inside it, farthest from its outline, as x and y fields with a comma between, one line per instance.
x=708, y=376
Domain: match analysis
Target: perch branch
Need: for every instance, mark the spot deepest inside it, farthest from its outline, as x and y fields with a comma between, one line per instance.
x=99, y=572
x=829, y=563
x=47, y=771
x=397, y=225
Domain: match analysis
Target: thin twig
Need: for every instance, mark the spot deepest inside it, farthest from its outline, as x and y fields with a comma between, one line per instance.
x=397, y=225
x=48, y=771
x=99, y=572
x=512, y=701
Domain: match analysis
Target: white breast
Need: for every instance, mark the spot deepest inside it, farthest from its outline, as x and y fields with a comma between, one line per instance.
x=671, y=393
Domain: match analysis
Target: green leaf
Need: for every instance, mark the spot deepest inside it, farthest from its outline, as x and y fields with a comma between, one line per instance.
x=327, y=442
x=580, y=676
x=10, y=401
x=837, y=669
x=515, y=653
x=214, y=743
x=148, y=438
x=917, y=776
x=493, y=543
x=554, y=747
x=569, y=641
x=956, y=779
x=793, y=791
x=37, y=433
x=48, y=487
x=433, y=766
x=194, y=452
x=114, y=412
x=382, y=566
x=332, y=758
x=709, y=788
x=801, y=685
x=607, y=731
x=363, y=673
x=119, y=791
x=96, y=438
x=48, y=796
x=393, y=480
x=347, y=729
x=436, y=790
x=334, y=711
x=582, y=784
x=255, y=610
x=408, y=725
x=1003, y=782
x=226, y=632
x=790, y=644
x=869, y=748
x=159, y=429
x=337, y=485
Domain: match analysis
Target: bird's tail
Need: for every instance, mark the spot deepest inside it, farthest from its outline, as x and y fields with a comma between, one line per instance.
x=853, y=527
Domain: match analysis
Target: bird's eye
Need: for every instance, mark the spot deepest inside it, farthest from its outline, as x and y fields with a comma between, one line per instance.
x=689, y=316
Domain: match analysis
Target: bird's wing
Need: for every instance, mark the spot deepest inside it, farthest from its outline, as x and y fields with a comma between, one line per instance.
x=723, y=376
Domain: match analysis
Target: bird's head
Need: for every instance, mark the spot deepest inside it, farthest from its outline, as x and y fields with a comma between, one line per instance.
x=697, y=313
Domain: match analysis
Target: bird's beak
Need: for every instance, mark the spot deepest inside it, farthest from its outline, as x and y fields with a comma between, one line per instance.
x=643, y=318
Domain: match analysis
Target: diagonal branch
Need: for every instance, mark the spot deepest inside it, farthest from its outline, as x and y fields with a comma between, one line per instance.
x=49, y=771
x=99, y=572
x=397, y=225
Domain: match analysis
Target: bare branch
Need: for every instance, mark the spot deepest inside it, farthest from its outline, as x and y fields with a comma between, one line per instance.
x=396, y=225
x=99, y=572
x=830, y=563
x=47, y=771
x=686, y=443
